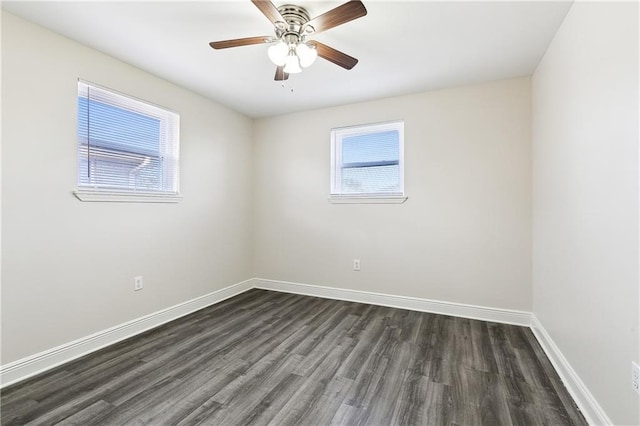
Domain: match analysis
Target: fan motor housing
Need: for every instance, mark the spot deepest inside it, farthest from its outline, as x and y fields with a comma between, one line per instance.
x=295, y=17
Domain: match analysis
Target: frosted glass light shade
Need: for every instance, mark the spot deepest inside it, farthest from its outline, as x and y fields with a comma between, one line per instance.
x=278, y=53
x=292, y=65
x=306, y=54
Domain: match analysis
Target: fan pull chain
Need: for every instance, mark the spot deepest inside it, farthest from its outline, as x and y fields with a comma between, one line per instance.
x=284, y=86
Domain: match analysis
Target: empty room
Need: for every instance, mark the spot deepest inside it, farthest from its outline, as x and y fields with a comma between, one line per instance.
x=320, y=213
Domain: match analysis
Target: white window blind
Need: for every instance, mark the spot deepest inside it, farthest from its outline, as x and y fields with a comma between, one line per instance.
x=368, y=160
x=125, y=144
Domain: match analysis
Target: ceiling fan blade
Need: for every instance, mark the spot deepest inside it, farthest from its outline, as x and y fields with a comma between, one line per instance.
x=349, y=11
x=269, y=10
x=224, y=44
x=280, y=74
x=335, y=56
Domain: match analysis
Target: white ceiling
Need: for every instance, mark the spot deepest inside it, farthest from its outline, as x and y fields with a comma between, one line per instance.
x=403, y=47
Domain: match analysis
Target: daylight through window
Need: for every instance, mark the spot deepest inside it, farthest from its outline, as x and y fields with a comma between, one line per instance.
x=125, y=144
x=368, y=160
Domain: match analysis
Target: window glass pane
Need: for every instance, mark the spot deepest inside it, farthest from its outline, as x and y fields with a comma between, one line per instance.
x=111, y=169
x=371, y=148
x=381, y=179
x=118, y=128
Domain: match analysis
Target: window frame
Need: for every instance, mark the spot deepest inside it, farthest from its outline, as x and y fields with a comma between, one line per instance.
x=169, y=120
x=337, y=134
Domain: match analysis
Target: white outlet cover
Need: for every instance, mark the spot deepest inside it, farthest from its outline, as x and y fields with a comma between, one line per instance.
x=356, y=264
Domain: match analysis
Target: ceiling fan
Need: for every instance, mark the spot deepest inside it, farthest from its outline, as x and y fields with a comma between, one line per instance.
x=290, y=49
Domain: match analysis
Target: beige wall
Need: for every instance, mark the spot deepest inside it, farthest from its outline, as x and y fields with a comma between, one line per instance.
x=464, y=234
x=68, y=266
x=585, y=199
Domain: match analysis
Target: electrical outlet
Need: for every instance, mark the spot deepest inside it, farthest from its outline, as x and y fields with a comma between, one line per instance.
x=137, y=283
x=356, y=264
x=635, y=377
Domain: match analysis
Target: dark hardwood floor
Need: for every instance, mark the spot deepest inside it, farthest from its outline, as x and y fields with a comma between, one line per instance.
x=274, y=358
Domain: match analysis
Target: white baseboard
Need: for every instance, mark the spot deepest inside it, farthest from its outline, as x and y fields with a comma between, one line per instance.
x=593, y=413
x=38, y=363
x=506, y=316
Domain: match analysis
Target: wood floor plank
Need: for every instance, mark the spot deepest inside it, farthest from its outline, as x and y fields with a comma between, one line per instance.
x=192, y=393
x=365, y=345
x=320, y=382
x=253, y=406
x=432, y=405
x=84, y=417
x=202, y=414
x=483, y=358
x=265, y=357
x=324, y=408
x=381, y=405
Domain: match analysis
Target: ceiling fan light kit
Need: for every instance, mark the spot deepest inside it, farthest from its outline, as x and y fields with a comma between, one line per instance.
x=307, y=54
x=290, y=50
x=292, y=65
x=278, y=53
x=292, y=54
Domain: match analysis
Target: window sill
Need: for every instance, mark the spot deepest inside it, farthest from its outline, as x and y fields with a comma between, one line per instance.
x=125, y=197
x=367, y=199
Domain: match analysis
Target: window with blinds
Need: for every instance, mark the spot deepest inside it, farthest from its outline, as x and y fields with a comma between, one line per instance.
x=125, y=144
x=368, y=160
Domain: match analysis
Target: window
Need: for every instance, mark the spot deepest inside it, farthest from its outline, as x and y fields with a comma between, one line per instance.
x=367, y=162
x=128, y=150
